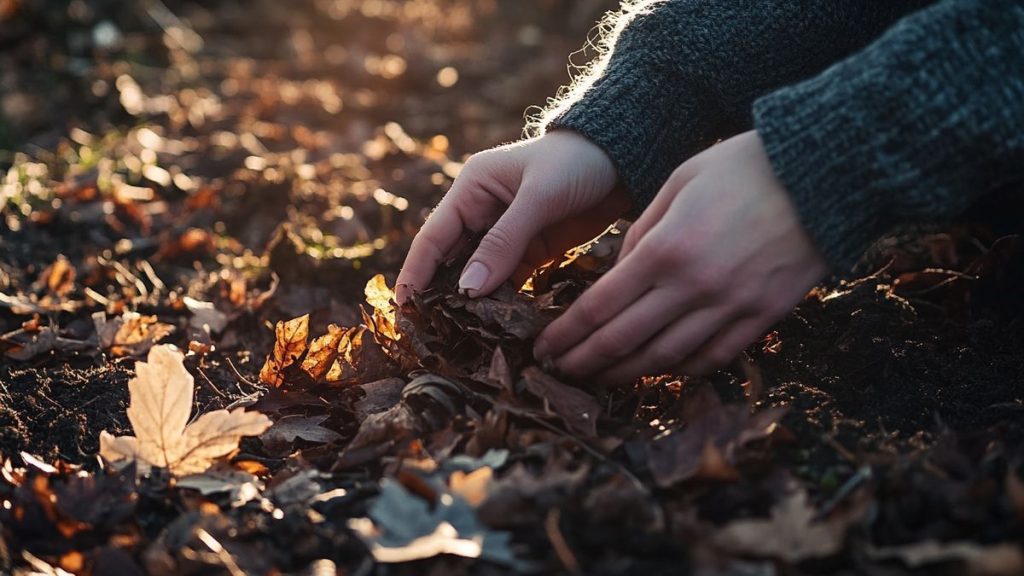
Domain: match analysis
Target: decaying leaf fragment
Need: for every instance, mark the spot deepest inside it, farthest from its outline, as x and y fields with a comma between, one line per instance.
x=161, y=401
x=791, y=534
x=289, y=346
x=403, y=527
x=1003, y=559
x=130, y=334
x=577, y=408
x=706, y=448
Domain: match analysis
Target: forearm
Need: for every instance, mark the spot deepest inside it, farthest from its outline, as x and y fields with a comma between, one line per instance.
x=914, y=128
x=682, y=74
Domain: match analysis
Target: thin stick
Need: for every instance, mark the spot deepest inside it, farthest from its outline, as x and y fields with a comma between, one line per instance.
x=210, y=382
x=559, y=543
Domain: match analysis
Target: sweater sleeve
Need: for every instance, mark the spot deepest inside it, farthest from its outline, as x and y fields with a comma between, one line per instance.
x=681, y=74
x=914, y=128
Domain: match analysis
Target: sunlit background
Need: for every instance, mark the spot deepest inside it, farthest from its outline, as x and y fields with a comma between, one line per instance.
x=201, y=132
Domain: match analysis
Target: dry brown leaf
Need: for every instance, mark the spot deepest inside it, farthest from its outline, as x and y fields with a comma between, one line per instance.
x=323, y=351
x=130, y=334
x=791, y=534
x=288, y=428
x=472, y=486
x=706, y=448
x=289, y=346
x=161, y=401
x=578, y=409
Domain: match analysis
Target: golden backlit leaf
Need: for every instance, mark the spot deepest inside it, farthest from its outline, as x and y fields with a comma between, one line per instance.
x=472, y=486
x=289, y=346
x=130, y=334
x=323, y=351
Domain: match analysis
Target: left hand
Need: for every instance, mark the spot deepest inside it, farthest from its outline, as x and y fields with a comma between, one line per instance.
x=716, y=259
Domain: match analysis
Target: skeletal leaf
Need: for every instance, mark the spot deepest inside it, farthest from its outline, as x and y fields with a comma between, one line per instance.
x=161, y=401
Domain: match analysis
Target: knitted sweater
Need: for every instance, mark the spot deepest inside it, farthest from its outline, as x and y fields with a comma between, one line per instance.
x=873, y=113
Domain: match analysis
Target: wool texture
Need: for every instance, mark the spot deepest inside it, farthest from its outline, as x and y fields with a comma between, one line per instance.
x=873, y=113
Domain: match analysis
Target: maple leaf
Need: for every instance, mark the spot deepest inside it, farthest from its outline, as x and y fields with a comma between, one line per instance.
x=161, y=401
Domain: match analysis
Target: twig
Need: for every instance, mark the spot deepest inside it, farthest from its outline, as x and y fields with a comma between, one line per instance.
x=210, y=382
x=243, y=378
x=558, y=542
x=223, y=555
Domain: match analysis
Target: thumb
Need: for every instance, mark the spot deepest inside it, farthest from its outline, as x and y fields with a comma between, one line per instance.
x=502, y=248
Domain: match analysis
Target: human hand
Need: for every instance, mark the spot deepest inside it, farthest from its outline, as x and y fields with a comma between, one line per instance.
x=718, y=257
x=534, y=199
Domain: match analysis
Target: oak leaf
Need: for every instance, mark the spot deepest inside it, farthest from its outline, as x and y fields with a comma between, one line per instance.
x=161, y=401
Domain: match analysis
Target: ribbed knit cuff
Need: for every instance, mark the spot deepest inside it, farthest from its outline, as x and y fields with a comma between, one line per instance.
x=638, y=117
x=914, y=128
x=810, y=149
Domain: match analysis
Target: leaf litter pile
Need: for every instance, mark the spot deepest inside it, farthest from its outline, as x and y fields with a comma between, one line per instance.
x=203, y=370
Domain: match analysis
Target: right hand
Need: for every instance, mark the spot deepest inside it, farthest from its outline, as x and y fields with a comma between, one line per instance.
x=533, y=199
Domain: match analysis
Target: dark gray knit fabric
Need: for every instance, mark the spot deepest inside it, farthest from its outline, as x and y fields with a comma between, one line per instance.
x=914, y=127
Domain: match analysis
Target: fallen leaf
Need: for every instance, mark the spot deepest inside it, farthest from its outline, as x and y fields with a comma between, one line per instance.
x=160, y=403
x=205, y=315
x=288, y=428
x=289, y=346
x=130, y=334
x=790, y=534
x=242, y=487
x=323, y=351
x=380, y=396
x=472, y=486
x=705, y=449
x=1005, y=559
x=403, y=527
x=578, y=409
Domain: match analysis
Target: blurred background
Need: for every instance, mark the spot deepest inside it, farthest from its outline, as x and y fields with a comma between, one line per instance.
x=307, y=139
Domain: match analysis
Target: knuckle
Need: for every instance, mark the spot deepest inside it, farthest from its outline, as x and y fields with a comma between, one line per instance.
x=589, y=312
x=664, y=254
x=664, y=357
x=609, y=344
x=498, y=241
x=708, y=280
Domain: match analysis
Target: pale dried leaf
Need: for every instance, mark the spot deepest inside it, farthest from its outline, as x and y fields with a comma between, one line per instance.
x=791, y=534
x=161, y=401
x=205, y=315
x=1004, y=559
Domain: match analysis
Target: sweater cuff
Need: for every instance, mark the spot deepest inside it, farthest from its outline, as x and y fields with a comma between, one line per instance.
x=636, y=114
x=809, y=149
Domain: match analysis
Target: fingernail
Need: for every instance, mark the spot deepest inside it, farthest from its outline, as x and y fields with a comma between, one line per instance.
x=474, y=277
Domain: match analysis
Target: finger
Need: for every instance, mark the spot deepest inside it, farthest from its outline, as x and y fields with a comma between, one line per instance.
x=439, y=234
x=472, y=204
x=656, y=210
x=724, y=347
x=502, y=248
x=623, y=334
x=665, y=351
x=610, y=295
